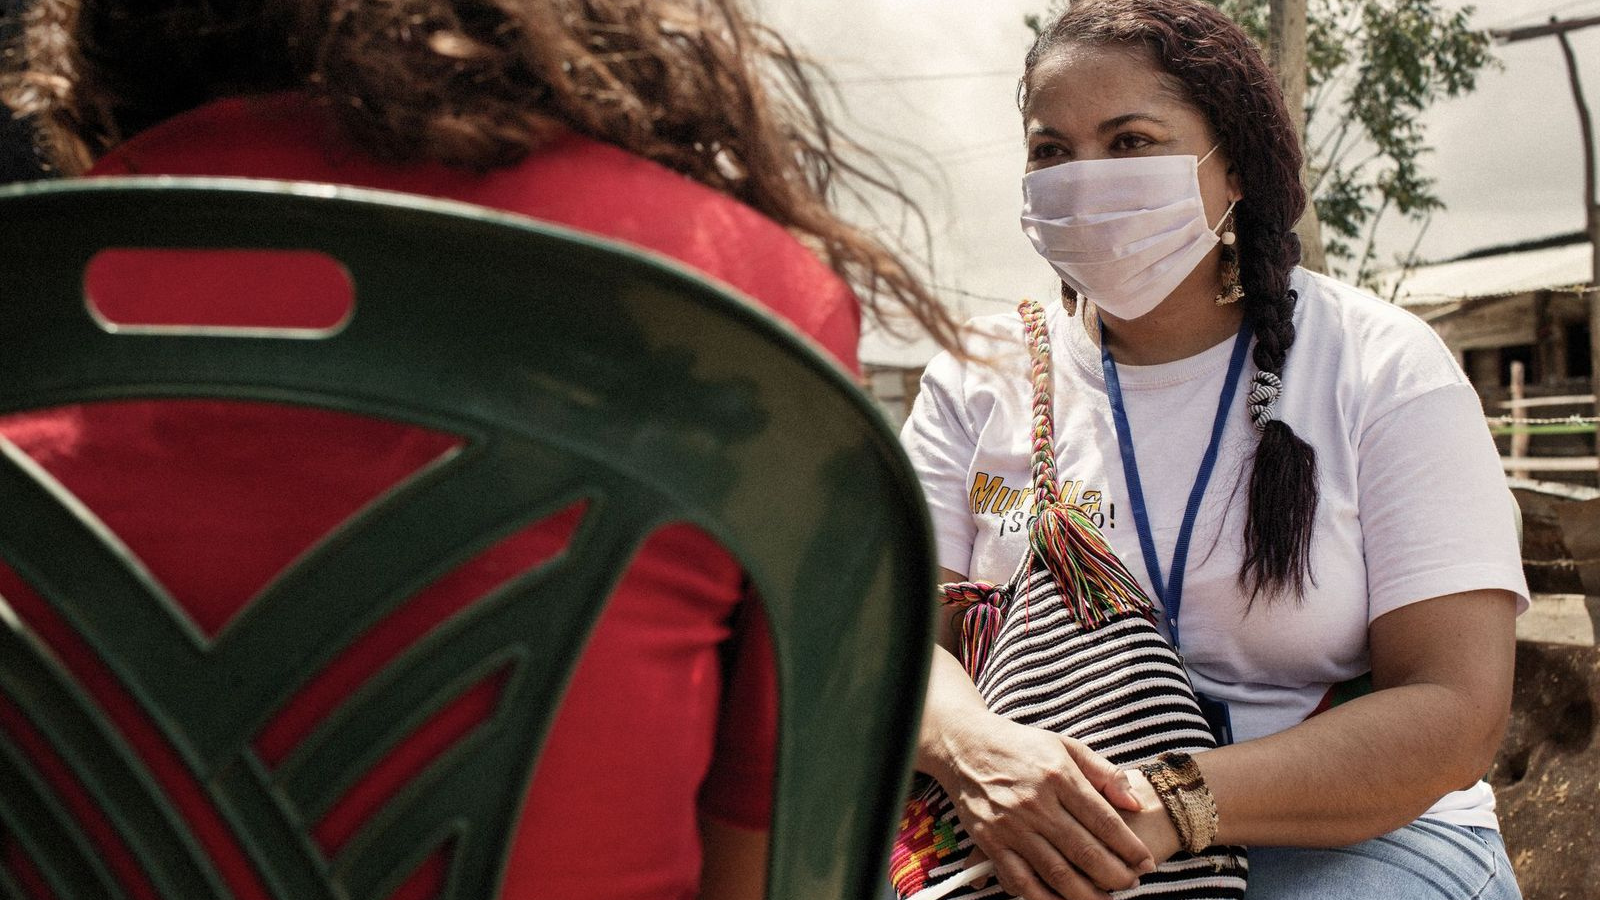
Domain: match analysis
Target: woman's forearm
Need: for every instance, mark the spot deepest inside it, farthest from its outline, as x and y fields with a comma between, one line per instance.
x=953, y=702
x=1443, y=668
x=1357, y=771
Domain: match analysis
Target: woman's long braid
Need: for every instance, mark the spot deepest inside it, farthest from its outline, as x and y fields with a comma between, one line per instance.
x=1283, y=478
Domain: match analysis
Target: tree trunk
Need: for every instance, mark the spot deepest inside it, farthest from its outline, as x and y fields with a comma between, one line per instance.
x=1287, y=24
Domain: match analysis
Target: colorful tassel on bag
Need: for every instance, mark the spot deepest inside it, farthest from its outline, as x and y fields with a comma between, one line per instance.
x=982, y=608
x=1091, y=578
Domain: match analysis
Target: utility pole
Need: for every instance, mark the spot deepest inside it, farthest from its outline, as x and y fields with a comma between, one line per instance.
x=1591, y=202
x=1286, y=23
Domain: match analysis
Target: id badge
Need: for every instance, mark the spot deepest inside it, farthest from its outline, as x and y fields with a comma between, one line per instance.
x=1217, y=718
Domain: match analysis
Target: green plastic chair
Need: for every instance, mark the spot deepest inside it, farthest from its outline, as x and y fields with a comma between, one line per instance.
x=572, y=368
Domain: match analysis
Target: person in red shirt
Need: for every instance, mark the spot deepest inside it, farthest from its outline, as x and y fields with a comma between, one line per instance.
x=655, y=122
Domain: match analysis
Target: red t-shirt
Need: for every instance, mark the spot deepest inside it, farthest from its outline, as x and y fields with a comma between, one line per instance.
x=216, y=498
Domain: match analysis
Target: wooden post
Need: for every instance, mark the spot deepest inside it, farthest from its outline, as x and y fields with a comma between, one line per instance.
x=1519, y=439
x=1286, y=22
x=1591, y=202
x=1591, y=216
x=1591, y=210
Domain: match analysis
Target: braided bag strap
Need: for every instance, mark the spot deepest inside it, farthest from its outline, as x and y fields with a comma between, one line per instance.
x=1093, y=582
x=1046, y=487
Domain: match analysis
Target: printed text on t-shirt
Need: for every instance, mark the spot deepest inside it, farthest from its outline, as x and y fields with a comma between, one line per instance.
x=989, y=495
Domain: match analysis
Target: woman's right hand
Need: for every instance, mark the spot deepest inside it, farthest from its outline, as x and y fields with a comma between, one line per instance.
x=1041, y=806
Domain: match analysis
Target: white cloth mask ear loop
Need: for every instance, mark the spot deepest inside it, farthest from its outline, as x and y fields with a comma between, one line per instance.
x=1227, y=236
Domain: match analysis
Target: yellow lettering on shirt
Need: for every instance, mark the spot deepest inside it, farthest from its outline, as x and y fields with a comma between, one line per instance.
x=984, y=488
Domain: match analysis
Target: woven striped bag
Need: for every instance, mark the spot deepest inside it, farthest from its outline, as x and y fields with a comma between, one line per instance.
x=1068, y=645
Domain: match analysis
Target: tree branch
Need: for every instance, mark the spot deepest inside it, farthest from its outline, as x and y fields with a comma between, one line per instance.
x=1339, y=160
x=1411, y=260
x=1337, y=139
x=1363, y=272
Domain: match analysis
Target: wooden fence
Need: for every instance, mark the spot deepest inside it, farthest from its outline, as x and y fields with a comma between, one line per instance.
x=1527, y=417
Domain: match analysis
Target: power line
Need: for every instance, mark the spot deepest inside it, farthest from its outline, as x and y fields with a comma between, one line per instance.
x=990, y=156
x=979, y=153
x=980, y=146
x=927, y=76
x=962, y=292
x=973, y=160
x=1509, y=419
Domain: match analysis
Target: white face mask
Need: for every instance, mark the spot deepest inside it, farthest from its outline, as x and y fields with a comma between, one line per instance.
x=1122, y=232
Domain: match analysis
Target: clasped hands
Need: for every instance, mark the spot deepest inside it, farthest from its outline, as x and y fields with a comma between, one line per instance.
x=1060, y=821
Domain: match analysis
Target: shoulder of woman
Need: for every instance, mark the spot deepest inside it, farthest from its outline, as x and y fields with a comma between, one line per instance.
x=992, y=332
x=993, y=354
x=992, y=349
x=595, y=186
x=1360, y=313
x=1382, y=347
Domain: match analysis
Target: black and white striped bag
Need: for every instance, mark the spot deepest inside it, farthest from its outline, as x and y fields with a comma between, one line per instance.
x=1086, y=662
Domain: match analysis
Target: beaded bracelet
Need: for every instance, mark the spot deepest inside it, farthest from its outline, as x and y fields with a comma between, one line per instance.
x=1182, y=789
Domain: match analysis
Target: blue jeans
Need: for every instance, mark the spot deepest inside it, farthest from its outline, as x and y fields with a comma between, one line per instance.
x=1425, y=860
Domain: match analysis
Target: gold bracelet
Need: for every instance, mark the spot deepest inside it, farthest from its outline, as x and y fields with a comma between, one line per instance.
x=1182, y=789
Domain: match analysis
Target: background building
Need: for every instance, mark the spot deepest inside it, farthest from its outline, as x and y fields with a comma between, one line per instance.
x=1521, y=304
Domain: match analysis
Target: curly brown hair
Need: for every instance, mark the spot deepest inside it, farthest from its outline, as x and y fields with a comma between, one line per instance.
x=695, y=85
x=1217, y=68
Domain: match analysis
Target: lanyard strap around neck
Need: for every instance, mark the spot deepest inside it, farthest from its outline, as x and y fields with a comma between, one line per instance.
x=1170, y=591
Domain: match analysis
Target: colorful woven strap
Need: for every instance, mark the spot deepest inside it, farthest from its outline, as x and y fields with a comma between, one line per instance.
x=1093, y=581
x=1045, y=490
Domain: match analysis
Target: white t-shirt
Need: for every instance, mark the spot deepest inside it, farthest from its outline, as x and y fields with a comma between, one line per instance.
x=1412, y=500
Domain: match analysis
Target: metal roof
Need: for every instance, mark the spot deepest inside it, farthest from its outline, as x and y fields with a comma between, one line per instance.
x=1506, y=274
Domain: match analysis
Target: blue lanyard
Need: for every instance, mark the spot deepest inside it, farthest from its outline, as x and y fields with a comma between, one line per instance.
x=1170, y=592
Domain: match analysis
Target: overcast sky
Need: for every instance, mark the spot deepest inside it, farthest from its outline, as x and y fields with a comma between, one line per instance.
x=932, y=83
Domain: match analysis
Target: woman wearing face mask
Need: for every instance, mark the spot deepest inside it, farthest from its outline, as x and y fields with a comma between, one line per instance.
x=1297, y=474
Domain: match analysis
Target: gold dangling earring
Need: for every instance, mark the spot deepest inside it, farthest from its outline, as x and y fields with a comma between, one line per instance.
x=1232, y=290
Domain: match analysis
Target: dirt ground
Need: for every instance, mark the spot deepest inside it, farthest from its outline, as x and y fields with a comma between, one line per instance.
x=1547, y=777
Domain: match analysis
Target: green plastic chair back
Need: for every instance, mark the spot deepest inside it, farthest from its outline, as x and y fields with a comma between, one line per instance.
x=572, y=368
